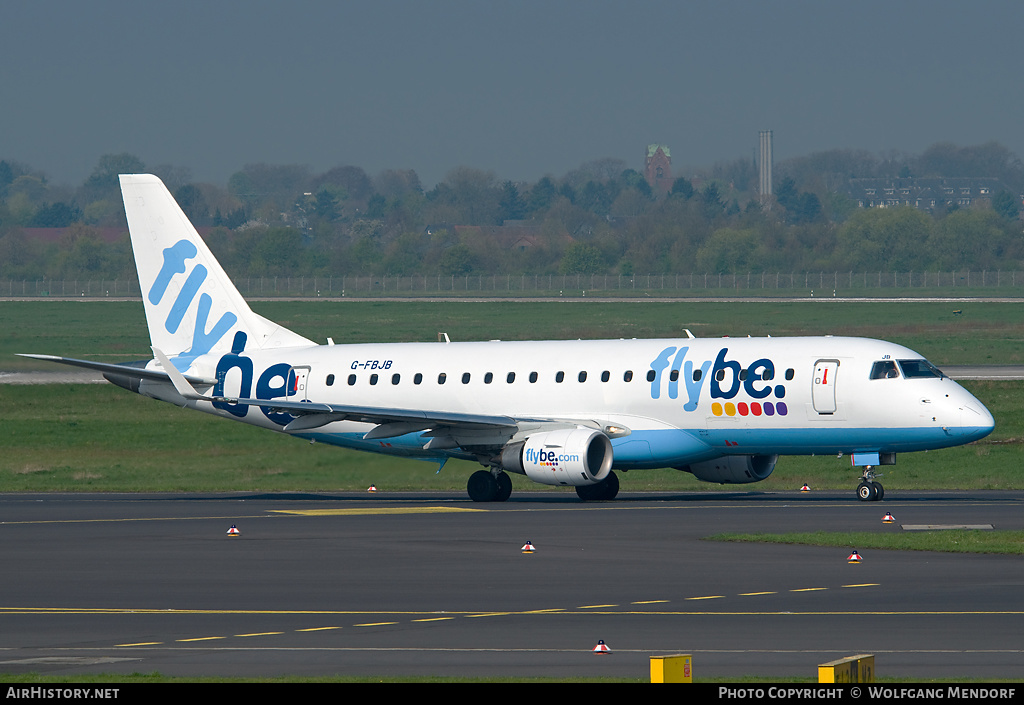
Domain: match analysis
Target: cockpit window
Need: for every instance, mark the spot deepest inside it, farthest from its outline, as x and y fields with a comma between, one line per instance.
x=884, y=369
x=919, y=368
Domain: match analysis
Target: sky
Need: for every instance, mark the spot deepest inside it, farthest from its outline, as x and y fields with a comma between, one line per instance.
x=522, y=88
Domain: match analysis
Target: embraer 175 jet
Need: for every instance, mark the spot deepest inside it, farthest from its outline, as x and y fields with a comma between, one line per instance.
x=560, y=412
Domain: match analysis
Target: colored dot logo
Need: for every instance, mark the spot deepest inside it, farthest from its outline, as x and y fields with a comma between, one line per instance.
x=753, y=409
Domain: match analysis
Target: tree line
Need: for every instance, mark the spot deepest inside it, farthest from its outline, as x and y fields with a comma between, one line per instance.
x=600, y=218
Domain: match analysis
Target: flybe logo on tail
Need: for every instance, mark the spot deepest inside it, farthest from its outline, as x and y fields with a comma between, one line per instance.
x=175, y=258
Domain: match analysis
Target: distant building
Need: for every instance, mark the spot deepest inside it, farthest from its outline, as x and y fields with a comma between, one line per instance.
x=658, y=168
x=927, y=194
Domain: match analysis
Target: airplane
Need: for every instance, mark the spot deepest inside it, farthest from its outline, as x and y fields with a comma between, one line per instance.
x=562, y=413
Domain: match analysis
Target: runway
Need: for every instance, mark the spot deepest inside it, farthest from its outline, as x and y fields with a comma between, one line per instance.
x=425, y=583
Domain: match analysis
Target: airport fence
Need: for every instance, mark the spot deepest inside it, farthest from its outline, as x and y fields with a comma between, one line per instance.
x=530, y=285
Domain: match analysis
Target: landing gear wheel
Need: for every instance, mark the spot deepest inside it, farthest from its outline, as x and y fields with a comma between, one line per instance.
x=870, y=491
x=606, y=489
x=866, y=491
x=482, y=486
x=504, y=487
x=588, y=493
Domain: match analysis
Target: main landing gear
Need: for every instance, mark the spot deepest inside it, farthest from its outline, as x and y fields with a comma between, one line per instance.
x=487, y=486
x=496, y=486
x=869, y=490
x=605, y=489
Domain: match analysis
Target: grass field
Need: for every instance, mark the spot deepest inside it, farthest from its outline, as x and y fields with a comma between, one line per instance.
x=101, y=438
x=952, y=541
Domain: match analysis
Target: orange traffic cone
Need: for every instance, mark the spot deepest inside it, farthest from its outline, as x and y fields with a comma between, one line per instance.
x=528, y=548
x=854, y=557
x=888, y=518
x=233, y=531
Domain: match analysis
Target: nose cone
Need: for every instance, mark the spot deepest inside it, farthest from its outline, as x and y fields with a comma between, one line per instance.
x=975, y=420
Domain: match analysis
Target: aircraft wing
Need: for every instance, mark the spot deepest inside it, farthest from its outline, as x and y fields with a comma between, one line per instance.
x=445, y=428
x=391, y=422
x=442, y=425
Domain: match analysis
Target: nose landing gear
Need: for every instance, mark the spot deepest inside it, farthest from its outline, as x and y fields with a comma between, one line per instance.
x=869, y=490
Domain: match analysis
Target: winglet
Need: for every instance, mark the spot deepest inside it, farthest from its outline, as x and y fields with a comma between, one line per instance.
x=181, y=384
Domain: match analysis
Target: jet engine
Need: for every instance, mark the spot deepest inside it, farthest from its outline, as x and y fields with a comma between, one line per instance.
x=577, y=456
x=733, y=469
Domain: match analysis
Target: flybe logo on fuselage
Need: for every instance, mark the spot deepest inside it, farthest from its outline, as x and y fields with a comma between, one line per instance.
x=175, y=257
x=540, y=456
x=727, y=380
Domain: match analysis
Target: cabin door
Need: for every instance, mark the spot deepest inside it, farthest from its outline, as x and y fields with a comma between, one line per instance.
x=823, y=390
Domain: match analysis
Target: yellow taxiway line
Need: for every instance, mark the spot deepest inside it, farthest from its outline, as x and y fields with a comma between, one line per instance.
x=364, y=511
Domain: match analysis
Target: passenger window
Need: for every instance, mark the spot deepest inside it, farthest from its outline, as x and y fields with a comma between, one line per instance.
x=465, y=378
x=533, y=377
x=395, y=378
x=720, y=375
x=559, y=376
x=442, y=378
x=417, y=379
x=697, y=375
x=373, y=379
x=511, y=377
x=582, y=377
x=628, y=377
x=488, y=377
x=330, y=380
x=651, y=374
x=351, y=380
x=789, y=374
x=605, y=376
x=743, y=375
x=674, y=375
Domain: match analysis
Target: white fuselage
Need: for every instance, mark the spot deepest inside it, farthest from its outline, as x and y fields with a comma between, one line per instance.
x=677, y=401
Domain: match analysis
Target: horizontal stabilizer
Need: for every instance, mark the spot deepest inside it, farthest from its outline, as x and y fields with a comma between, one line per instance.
x=124, y=370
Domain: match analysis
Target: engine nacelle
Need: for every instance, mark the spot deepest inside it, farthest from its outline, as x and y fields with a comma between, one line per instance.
x=577, y=456
x=733, y=469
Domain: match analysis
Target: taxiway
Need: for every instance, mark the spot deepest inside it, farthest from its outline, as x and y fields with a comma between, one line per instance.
x=424, y=583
